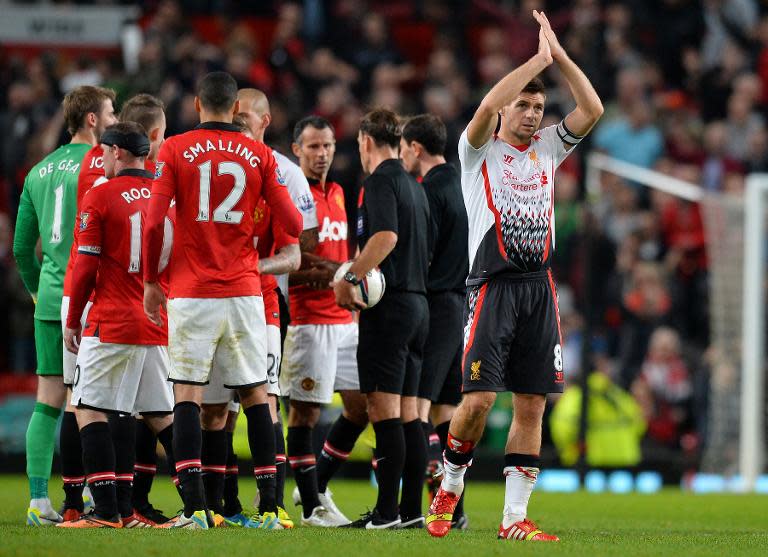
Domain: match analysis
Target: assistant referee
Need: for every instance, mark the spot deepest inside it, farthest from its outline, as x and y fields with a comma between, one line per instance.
x=392, y=233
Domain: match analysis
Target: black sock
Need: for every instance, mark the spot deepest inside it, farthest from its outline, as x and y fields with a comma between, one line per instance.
x=232, y=504
x=72, y=471
x=123, y=429
x=413, y=469
x=214, y=461
x=280, y=464
x=145, y=468
x=390, y=455
x=166, y=440
x=339, y=443
x=434, y=449
x=99, y=460
x=187, y=446
x=261, y=438
x=304, y=466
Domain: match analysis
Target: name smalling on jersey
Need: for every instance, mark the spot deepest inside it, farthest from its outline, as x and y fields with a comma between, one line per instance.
x=237, y=148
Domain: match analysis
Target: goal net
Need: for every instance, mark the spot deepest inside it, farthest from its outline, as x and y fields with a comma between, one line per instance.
x=735, y=236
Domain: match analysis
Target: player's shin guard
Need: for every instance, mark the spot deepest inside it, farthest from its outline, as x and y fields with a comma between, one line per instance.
x=99, y=460
x=442, y=433
x=232, y=504
x=41, y=437
x=187, y=443
x=302, y=461
x=520, y=471
x=261, y=438
x=214, y=461
x=457, y=457
x=72, y=471
x=413, y=470
x=390, y=457
x=339, y=443
x=146, y=464
x=280, y=464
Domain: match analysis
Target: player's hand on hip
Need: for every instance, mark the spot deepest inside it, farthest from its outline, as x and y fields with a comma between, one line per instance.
x=556, y=50
x=154, y=299
x=347, y=296
x=72, y=339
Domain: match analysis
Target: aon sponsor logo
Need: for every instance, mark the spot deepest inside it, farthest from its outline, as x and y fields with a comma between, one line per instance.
x=333, y=230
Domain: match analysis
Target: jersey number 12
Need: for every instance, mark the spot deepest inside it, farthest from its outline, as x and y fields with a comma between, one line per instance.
x=223, y=213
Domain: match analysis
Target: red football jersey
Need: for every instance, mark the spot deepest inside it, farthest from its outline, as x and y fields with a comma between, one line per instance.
x=269, y=237
x=217, y=176
x=318, y=307
x=91, y=169
x=112, y=216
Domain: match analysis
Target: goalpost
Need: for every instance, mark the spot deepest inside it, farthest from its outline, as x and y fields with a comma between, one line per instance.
x=735, y=231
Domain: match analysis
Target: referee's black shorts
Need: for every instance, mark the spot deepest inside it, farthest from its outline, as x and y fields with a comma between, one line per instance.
x=391, y=344
x=512, y=336
x=441, y=372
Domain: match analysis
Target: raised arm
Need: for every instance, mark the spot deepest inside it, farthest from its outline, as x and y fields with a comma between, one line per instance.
x=484, y=121
x=588, y=106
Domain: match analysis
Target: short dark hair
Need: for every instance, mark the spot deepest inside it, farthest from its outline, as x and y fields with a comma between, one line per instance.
x=317, y=122
x=536, y=85
x=144, y=109
x=383, y=126
x=217, y=92
x=81, y=101
x=428, y=130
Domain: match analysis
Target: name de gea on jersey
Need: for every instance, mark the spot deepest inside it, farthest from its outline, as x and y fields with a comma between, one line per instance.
x=70, y=166
x=333, y=230
x=237, y=148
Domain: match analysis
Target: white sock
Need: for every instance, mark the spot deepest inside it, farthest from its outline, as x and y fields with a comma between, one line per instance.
x=520, y=481
x=453, y=480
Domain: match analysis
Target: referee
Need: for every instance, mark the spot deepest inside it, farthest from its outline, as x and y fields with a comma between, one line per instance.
x=422, y=150
x=392, y=233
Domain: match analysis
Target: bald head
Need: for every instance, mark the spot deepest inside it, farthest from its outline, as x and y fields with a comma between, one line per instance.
x=254, y=108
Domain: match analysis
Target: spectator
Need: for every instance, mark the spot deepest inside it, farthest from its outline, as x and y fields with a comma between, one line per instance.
x=664, y=389
x=633, y=138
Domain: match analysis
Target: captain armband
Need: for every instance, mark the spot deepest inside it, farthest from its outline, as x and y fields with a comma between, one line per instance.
x=566, y=135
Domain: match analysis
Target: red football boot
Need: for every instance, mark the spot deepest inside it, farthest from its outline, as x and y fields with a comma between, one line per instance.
x=525, y=530
x=441, y=513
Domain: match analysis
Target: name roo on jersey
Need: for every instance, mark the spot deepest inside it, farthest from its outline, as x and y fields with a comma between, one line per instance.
x=65, y=165
x=333, y=230
x=197, y=149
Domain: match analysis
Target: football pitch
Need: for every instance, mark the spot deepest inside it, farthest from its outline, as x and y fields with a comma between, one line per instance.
x=668, y=523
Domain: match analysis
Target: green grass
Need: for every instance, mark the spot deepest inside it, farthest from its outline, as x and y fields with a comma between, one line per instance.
x=595, y=525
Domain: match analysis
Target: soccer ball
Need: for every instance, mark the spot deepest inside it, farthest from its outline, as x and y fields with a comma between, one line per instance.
x=371, y=286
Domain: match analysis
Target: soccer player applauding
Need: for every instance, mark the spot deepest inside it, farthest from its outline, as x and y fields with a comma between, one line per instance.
x=512, y=332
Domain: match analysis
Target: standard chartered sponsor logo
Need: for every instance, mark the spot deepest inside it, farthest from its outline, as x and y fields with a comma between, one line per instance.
x=333, y=230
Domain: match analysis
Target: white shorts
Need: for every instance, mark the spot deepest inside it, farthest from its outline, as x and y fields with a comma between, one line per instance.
x=70, y=359
x=216, y=393
x=125, y=378
x=218, y=336
x=318, y=360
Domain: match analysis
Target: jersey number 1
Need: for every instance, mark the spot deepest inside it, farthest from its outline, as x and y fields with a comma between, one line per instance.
x=223, y=213
x=134, y=263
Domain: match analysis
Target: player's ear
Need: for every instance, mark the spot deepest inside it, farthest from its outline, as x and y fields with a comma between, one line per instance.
x=153, y=133
x=236, y=107
x=296, y=148
x=266, y=120
x=91, y=119
x=198, y=108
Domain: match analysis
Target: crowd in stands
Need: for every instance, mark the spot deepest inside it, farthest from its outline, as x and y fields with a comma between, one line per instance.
x=684, y=83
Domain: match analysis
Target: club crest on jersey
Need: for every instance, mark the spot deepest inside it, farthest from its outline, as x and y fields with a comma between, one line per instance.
x=280, y=177
x=84, y=220
x=258, y=215
x=159, y=169
x=339, y=201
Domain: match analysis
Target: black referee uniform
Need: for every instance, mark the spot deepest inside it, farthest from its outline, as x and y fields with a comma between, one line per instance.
x=441, y=377
x=392, y=333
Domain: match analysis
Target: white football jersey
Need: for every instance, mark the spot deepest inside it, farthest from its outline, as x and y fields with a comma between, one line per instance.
x=508, y=193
